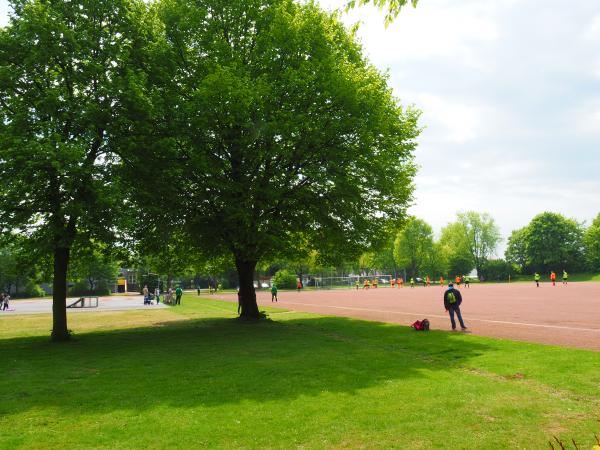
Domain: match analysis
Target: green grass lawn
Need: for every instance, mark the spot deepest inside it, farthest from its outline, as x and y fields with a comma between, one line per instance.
x=192, y=376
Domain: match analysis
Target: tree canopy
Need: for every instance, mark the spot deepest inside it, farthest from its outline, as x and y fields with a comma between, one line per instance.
x=276, y=125
x=64, y=73
x=414, y=245
x=592, y=245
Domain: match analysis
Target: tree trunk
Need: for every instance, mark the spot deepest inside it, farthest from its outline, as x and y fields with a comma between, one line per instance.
x=245, y=270
x=59, y=295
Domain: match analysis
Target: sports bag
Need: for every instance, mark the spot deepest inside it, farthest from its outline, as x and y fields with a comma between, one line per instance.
x=421, y=325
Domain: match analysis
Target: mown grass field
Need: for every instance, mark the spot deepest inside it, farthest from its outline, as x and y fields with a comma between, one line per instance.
x=193, y=376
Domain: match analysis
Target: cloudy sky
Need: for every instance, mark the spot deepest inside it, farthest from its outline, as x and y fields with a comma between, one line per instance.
x=510, y=94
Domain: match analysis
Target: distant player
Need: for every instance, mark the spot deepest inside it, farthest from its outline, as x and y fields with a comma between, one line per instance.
x=357, y=284
x=392, y=282
x=466, y=281
x=299, y=285
x=457, y=281
x=536, y=278
x=442, y=282
x=273, y=293
x=412, y=282
x=400, y=282
x=427, y=281
x=375, y=283
x=565, y=277
x=553, y=278
x=366, y=284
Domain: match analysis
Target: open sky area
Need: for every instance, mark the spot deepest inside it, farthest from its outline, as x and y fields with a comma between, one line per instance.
x=510, y=94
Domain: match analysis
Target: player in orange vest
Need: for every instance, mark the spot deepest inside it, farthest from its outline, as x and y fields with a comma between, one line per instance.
x=400, y=282
x=392, y=282
x=442, y=284
x=457, y=279
x=366, y=284
x=427, y=281
x=375, y=283
x=553, y=278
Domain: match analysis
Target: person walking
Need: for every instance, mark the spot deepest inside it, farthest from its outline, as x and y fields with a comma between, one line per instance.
x=178, y=294
x=565, y=277
x=412, y=282
x=452, y=301
x=466, y=281
x=553, y=278
x=299, y=285
x=5, y=300
x=536, y=278
x=357, y=284
x=146, y=293
x=273, y=293
x=157, y=294
x=442, y=284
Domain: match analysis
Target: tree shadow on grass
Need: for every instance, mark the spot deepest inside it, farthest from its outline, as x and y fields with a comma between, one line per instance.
x=212, y=362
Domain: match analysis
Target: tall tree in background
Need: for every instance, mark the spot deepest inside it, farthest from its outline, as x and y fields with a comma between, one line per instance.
x=455, y=248
x=554, y=242
x=413, y=246
x=482, y=236
x=592, y=245
x=280, y=126
x=516, y=250
x=63, y=72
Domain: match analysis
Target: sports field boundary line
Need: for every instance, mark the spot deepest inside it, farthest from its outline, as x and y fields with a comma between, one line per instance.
x=468, y=319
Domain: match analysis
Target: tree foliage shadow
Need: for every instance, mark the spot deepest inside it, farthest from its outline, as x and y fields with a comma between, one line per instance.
x=211, y=362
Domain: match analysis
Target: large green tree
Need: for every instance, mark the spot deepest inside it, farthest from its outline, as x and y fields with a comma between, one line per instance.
x=65, y=75
x=413, y=246
x=592, y=245
x=554, y=242
x=482, y=236
x=455, y=247
x=275, y=124
x=516, y=250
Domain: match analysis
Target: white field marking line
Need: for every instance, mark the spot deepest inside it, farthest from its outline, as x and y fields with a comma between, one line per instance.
x=594, y=330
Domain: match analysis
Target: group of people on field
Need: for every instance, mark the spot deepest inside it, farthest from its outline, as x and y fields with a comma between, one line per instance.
x=565, y=278
x=168, y=299
x=399, y=282
x=4, y=299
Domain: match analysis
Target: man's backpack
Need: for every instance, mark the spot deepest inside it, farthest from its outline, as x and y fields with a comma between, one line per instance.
x=421, y=325
x=451, y=298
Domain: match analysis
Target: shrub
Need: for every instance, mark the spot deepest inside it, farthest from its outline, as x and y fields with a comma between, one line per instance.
x=285, y=279
x=496, y=270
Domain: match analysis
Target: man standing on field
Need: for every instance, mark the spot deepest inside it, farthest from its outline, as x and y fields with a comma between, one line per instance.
x=178, y=294
x=452, y=301
x=553, y=278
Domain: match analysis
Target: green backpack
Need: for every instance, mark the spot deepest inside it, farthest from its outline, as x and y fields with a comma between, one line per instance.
x=451, y=298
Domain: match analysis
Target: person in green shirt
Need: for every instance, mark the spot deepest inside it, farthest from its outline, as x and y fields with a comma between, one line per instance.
x=178, y=294
x=565, y=277
x=274, y=293
x=412, y=282
x=357, y=284
x=536, y=278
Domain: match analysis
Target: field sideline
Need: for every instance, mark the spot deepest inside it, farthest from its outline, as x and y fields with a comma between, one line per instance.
x=193, y=376
x=561, y=315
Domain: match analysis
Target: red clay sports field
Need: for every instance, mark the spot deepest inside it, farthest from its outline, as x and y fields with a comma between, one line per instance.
x=562, y=315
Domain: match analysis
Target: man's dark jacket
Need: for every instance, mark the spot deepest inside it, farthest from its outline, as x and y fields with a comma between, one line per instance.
x=457, y=295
